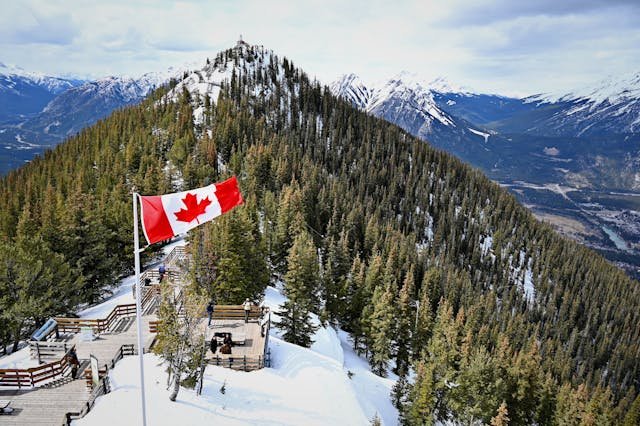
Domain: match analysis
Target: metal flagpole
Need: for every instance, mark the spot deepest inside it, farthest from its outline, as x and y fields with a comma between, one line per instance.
x=136, y=255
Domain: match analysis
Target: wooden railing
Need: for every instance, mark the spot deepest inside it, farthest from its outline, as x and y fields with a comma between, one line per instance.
x=29, y=377
x=100, y=325
x=39, y=350
x=241, y=363
x=150, y=297
x=237, y=312
x=177, y=257
x=102, y=388
x=267, y=351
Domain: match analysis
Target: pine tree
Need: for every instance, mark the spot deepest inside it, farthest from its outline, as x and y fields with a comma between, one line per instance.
x=301, y=282
x=502, y=416
x=633, y=415
x=421, y=409
x=423, y=325
x=404, y=326
x=381, y=330
x=230, y=259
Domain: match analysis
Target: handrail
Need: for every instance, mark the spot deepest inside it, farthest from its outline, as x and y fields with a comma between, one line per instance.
x=242, y=363
x=31, y=376
x=99, y=325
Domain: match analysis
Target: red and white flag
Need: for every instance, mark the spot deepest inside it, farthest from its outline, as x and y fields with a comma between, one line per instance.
x=164, y=216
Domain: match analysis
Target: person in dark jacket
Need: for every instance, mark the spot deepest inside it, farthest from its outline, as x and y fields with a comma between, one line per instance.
x=213, y=345
x=72, y=359
x=227, y=340
x=210, y=312
x=225, y=349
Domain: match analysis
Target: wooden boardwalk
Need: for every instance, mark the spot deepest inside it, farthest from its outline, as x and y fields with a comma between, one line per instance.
x=44, y=406
x=47, y=406
x=107, y=345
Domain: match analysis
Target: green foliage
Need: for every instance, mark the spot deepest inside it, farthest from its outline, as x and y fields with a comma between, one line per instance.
x=377, y=204
x=381, y=330
x=633, y=416
x=228, y=258
x=180, y=340
x=301, y=282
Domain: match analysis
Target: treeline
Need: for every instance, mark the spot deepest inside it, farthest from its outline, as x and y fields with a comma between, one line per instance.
x=432, y=268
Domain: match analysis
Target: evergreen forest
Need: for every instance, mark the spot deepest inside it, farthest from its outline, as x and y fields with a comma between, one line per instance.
x=486, y=314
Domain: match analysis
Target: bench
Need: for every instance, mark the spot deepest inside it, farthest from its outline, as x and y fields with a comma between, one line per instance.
x=236, y=338
x=4, y=407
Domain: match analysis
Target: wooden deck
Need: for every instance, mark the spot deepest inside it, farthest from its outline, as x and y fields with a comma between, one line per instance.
x=44, y=406
x=254, y=341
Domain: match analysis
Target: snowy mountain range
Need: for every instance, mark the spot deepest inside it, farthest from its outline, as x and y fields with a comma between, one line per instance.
x=592, y=131
x=23, y=92
x=585, y=139
x=37, y=112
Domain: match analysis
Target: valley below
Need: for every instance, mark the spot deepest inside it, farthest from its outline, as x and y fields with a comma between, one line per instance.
x=606, y=221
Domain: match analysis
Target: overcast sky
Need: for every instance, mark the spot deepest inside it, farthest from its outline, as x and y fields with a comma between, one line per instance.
x=500, y=46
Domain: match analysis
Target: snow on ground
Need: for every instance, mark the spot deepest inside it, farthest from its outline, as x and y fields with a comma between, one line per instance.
x=19, y=359
x=302, y=387
x=528, y=288
x=479, y=133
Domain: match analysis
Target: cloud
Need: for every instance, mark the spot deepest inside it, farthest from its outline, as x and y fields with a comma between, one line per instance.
x=58, y=29
x=493, y=45
x=486, y=12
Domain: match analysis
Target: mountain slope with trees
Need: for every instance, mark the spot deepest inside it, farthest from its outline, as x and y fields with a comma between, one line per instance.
x=497, y=315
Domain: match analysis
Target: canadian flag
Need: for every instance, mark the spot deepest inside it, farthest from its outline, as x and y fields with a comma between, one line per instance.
x=164, y=216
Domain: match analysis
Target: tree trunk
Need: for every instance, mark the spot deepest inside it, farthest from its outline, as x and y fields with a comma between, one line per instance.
x=176, y=387
x=16, y=337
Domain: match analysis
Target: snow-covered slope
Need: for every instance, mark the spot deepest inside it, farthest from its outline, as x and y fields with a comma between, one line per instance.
x=302, y=387
x=353, y=89
x=33, y=119
x=608, y=106
x=260, y=69
x=411, y=103
x=12, y=74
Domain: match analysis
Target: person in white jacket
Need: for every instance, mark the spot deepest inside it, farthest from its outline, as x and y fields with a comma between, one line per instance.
x=247, y=309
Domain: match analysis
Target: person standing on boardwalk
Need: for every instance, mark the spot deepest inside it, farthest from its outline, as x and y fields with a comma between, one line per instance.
x=161, y=270
x=72, y=359
x=213, y=345
x=210, y=312
x=247, y=309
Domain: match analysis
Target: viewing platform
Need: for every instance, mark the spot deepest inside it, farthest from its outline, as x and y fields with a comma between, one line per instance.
x=250, y=340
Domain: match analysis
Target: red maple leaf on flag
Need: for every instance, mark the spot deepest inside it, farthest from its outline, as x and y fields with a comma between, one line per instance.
x=194, y=208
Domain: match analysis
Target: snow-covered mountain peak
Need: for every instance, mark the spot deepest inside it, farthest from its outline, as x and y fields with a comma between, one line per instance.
x=11, y=76
x=611, y=90
x=353, y=89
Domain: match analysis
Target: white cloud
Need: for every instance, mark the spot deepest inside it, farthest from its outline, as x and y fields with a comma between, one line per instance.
x=492, y=45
